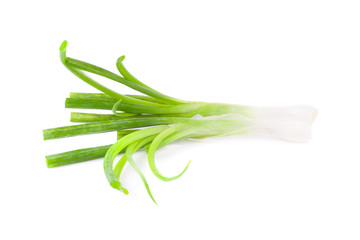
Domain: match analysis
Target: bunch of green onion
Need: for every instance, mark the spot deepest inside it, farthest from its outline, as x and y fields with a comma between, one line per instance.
x=152, y=120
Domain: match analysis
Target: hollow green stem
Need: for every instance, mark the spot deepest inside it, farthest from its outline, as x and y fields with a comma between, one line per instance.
x=91, y=95
x=94, y=117
x=107, y=97
x=76, y=156
x=89, y=103
x=164, y=109
x=97, y=103
x=105, y=126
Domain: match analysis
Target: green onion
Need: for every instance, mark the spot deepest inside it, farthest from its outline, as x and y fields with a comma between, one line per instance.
x=154, y=120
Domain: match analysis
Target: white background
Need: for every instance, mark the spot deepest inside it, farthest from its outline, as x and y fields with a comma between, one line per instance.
x=263, y=53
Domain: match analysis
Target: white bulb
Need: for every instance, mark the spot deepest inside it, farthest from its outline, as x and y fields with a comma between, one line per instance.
x=292, y=113
x=294, y=131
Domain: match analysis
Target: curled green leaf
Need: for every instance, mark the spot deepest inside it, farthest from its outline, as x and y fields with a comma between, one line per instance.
x=155, y=145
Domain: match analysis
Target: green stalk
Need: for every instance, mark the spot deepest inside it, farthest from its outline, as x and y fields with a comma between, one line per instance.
x=145, y=98
x=105, y=126
x=76, y=156
x=89, y=103
x=105, y=96
x=79, y=117
x=94, y=117
x=91, y=95
x=108, y=104
x=164, y=109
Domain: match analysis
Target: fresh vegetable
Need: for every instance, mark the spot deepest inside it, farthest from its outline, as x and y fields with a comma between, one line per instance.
x=154, y=120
